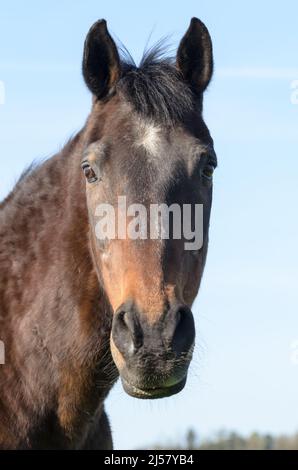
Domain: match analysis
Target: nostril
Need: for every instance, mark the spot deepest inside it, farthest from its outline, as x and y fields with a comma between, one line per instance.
x=179, y=317
x=126, y=331
x=184, y=332
x=182, y=316
x=182, y=319
x=121, y=319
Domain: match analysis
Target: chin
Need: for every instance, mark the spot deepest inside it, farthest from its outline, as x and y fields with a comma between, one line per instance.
x=152, y=393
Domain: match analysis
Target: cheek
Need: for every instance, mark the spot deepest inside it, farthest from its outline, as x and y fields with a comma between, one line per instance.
x=93, y=196
x=113, y=267
x=112, y=280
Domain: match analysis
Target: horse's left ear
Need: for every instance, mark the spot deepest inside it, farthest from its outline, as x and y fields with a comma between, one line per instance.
x=101, y=62
x=194, y=56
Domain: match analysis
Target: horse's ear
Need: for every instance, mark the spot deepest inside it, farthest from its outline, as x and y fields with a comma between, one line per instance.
x=194, y=56
x=101, y=62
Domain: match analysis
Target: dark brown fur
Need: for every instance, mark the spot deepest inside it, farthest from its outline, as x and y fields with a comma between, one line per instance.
x=56, y=306
x=55, y=319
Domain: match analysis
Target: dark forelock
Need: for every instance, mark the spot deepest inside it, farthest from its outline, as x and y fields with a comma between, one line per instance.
x=155, y=88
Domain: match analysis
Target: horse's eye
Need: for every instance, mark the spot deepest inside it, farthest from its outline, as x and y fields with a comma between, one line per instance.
x=208, y=171
x=89, y=172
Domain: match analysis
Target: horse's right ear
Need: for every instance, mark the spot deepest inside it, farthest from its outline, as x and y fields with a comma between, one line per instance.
x=101, y=62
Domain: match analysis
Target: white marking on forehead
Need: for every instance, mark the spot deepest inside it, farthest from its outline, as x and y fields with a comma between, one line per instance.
x=148, y=136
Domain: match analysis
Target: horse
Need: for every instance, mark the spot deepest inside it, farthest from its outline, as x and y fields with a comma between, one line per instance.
x=77, y=311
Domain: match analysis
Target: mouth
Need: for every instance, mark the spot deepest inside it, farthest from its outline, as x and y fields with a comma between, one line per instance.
x=153, y=393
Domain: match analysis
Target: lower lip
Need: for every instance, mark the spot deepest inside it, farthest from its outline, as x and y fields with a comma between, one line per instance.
x=153, y=393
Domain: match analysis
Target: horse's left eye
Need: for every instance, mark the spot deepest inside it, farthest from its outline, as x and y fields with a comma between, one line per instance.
x=208, y=171
x=89, y=172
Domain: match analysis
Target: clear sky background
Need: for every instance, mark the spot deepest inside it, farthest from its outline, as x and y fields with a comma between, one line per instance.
x=244, y=376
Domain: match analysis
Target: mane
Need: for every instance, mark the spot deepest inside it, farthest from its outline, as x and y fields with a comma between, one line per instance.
x=155, y=87
x=25, y=173
x=31, y=174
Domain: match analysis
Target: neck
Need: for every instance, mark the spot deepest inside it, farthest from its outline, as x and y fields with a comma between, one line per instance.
x=50, y=289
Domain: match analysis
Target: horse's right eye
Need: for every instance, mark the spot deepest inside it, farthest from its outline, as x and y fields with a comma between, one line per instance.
x=89, y=173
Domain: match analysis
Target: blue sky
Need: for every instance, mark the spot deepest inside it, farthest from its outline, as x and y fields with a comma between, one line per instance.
x=243, y=376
